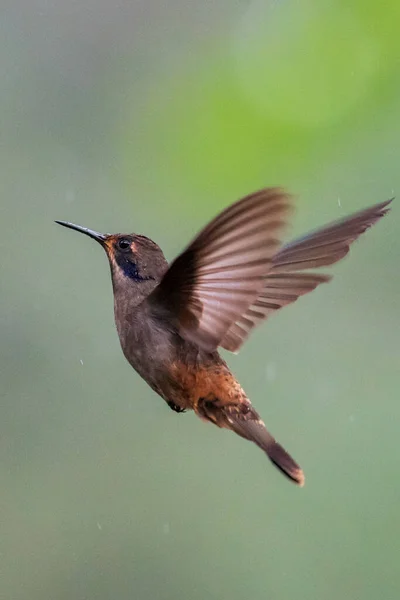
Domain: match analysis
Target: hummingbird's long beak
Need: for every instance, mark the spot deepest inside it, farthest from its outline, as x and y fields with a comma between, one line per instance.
x=99, y=237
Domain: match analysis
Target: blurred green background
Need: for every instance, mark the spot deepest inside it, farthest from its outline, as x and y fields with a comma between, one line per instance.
x=151, y=117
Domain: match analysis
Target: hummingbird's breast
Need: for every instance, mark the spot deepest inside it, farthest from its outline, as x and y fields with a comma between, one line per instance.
x=147, y=347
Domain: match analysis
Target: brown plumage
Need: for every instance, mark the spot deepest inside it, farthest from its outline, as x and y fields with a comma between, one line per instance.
x=236, y=272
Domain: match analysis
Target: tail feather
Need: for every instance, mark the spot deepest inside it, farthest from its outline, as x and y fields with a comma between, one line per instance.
x=285, y=463
x=251, y=427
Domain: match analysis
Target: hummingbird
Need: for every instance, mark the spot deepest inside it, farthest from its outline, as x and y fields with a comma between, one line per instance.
x=171, y=319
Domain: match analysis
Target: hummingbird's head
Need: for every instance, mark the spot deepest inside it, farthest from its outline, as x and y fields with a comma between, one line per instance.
x=135, y=260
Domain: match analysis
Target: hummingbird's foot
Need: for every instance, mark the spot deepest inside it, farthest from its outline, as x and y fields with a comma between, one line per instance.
x=176, y=408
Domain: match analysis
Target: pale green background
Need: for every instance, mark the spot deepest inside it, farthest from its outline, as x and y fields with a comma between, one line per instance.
x=152, y=116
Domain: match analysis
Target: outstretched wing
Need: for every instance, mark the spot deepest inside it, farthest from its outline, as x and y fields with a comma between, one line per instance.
x=285, y=282
x=221, y=273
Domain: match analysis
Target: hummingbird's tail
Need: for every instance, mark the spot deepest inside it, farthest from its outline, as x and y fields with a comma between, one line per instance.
x=252, y=428
x=245, y=421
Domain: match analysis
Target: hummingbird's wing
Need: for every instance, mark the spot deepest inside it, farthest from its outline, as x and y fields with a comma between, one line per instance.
x=222, y=272
x=284, y=283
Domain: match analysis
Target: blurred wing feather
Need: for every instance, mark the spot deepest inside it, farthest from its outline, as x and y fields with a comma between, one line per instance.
x=284, y=284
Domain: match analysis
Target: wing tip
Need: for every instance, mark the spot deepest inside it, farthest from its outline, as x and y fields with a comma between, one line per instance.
x=386, y=203
x=380, y=210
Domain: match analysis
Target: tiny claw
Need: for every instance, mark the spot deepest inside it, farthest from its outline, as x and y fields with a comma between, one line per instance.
x=176, y=407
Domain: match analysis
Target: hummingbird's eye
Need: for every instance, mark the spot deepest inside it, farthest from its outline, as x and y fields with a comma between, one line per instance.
x=124, y=244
